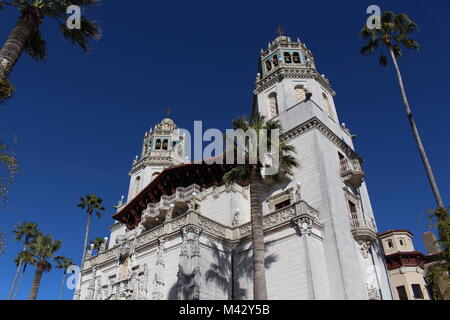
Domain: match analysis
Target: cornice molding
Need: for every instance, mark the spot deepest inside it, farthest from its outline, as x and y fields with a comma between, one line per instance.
x=315, y=123
x=292, y=73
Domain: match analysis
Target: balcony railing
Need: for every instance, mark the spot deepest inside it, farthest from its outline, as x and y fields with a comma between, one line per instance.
x=155, y=212
x=352, y=172
x=363, y=229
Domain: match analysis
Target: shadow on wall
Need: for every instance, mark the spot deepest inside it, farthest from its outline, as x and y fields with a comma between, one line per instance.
x=220, y=272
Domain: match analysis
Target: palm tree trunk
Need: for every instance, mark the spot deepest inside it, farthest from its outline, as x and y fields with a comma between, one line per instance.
x=62, y=286
x=36, y=282
x=259, y=250
x=15, y=279
x=13, y=47
x=412, y=123
x=88, y=225
x=20, y=281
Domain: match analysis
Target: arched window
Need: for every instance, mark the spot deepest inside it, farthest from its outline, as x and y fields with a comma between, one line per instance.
x=137, y=184
x=268, y=65
x=154, y=175
x=328, y=107
x=287, y=57
x=158, y=144
x=165, y=144
x=296, y=57
x=300, y=93
x=275, y=60
x=273, y=105
x=174, y=144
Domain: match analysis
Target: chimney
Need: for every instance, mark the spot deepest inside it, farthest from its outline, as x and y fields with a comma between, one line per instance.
x=431, y=244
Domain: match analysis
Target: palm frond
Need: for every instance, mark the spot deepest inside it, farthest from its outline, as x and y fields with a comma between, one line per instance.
x=89, y=31
x=35, y=46
x=236, y=174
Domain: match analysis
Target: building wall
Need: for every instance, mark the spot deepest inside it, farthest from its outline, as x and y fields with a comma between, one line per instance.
x=407, y=276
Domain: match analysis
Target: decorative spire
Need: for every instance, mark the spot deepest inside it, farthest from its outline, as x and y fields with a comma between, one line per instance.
x=280, y=31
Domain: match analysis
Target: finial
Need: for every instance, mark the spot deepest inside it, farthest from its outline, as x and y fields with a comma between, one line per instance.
x=280, y=31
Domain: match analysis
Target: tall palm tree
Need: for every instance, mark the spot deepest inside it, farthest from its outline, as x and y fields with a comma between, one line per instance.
x=252, y=174
x=25, y=257
x=43, y=249
x=63, y=263
x=26, y=36
x=92, y=204
x=395, y=35
x=25, y=232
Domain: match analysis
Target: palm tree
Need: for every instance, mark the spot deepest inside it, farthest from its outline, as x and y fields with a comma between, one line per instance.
x=252, y=174
x=97, y=242
x=43, y=249
x=27, y=37
x=63, y=263
x=27, y=232
x=92, y=204
x=395, y=34
x=26, y=257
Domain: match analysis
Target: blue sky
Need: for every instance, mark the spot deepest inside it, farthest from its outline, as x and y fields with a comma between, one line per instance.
x=80, y=118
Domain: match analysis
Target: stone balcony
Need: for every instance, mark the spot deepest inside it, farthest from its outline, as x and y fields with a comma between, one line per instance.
x=174, y=205
x=299, y=215
x=363, y=230
x=351, y=172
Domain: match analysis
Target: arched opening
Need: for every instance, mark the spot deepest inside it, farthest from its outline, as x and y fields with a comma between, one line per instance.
x=287, y=57
x=165, y=144
x=296, y=57
x=154, y=175
x=268, y=65
x=328, y=107
x=300, y=93
x=275, y=60
x=137, y=185
x=273, y=105
x=158, y=144
x=174, y=144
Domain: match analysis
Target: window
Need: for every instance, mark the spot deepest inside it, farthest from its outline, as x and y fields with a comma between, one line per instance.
x=268, y=65
x=165, y=144
x=401, y=242
x=283, y=204
x=275, y=60
x=296, y=57
x=137, y=184
x=401, y=291
x=390, y=244
x=287, y=57
x=300, y=93
x=174, y=144
x=343, y=162
x=417, y=290
x=273, y=105
x=154, y=175
x=328, y=107
x=158, y=144
x=353, y=210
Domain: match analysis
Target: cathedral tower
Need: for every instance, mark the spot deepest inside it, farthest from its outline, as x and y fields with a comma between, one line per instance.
x=290, y=89
x=163, y=147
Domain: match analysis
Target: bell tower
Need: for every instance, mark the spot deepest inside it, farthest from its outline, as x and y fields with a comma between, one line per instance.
x=163, y=147
x=290, y=89
x=287, y=77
